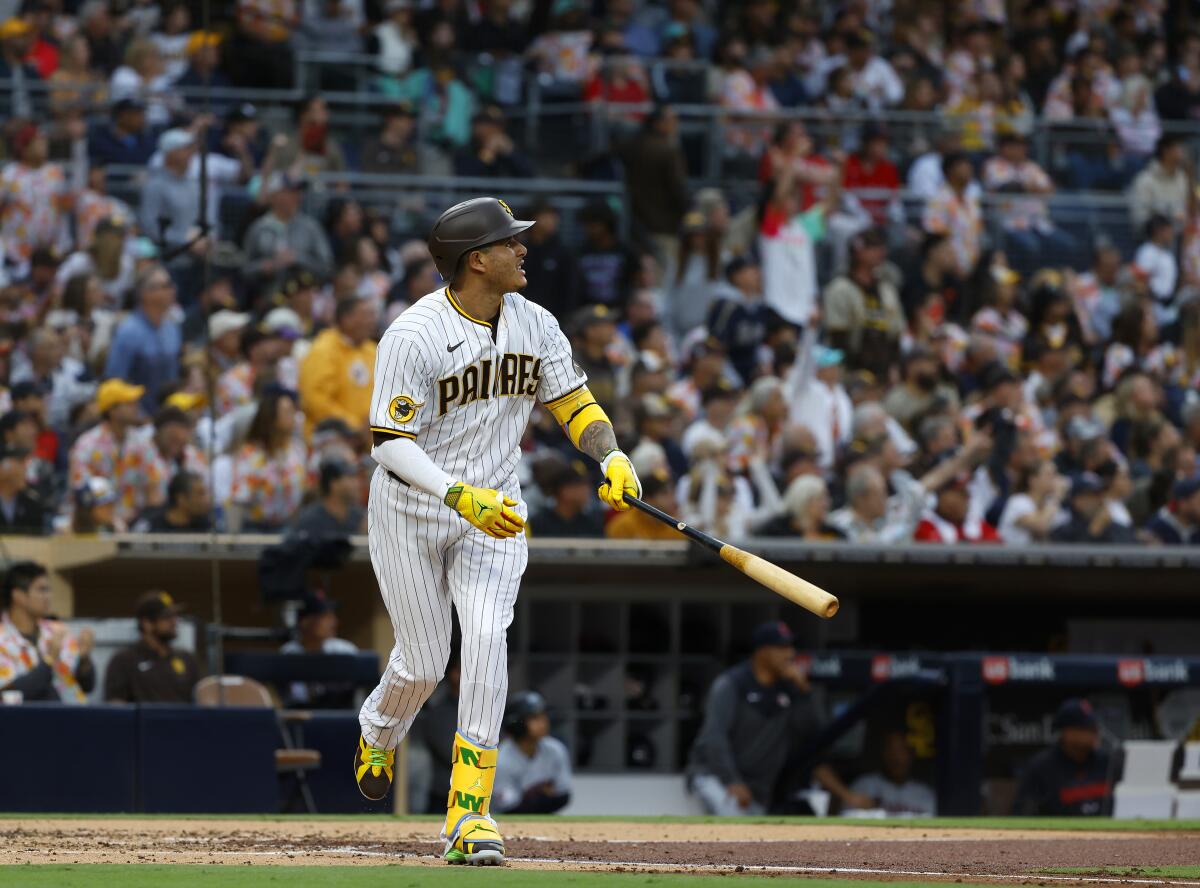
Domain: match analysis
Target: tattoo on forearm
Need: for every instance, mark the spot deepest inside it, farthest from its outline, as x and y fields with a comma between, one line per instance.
x=597, y=440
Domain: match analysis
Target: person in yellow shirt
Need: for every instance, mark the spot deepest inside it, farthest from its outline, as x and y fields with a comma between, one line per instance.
x=337, y=373
x=657, y=490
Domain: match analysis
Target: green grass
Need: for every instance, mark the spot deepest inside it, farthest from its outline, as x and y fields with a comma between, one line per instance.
x=999, y=823
x=1168, y=872
x=155, y=876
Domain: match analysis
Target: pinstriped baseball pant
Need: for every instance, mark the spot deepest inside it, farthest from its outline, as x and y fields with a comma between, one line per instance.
x=426, y=559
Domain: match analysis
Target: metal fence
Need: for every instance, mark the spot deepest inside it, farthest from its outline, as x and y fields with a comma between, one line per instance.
x=553, y=123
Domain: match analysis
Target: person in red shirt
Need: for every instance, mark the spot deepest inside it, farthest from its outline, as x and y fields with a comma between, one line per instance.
x=624, y=83
x=950, y=522
x=43, y=52
x=870, y=169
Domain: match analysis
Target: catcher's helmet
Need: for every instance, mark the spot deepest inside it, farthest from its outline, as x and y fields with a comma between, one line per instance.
x=467, y=226
x=519, y=710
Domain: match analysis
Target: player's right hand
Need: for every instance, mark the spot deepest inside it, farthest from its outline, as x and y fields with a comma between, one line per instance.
x=487, y=509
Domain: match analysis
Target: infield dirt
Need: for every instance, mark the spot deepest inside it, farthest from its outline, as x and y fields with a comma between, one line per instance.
x=975, y=855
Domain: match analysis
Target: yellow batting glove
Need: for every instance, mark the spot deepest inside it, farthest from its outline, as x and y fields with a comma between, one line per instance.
x=619, y=479
x=489, y=510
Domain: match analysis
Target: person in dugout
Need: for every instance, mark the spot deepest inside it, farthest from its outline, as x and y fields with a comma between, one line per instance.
x=152, y=671
x=533, y=771
x=1074, y=777
x=40, y=658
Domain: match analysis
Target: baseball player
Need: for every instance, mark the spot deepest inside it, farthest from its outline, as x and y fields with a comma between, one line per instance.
x=456, y=378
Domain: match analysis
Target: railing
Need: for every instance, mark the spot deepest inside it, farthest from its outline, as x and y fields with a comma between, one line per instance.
x=412, y=202
x=557, y=127
x=1178, y=561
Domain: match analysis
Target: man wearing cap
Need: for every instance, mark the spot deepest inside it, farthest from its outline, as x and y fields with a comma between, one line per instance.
x=225, y=337
x=738, y=318
x=126, y=139
x=1074, y=777
x=171, y=196
x=1091, y=520
x=817, y=397
x=297, y=291
x=288, y=330
x=756, y=712
x=397, y=148
x=490, y=152
x=152, y=671
x=39, y=656
x=1178, y=522
x=861, y=310
x=654, y=420
x=338, y=511
x=950, y=520
x=285, y=238
x=593, y=330
x=567, y=515
x=98, y=451
x=145, y=348
x=21, y=511
x=203, y=67
x=533, y=775
x=338, y=373
x=316, y=633
x=23, y=100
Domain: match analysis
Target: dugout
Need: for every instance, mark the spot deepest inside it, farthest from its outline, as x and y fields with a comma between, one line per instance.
x=625, y=664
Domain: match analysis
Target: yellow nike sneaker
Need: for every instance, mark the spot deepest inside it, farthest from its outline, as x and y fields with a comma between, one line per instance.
x=477, y=841
x=373, y=770
x=471, y=834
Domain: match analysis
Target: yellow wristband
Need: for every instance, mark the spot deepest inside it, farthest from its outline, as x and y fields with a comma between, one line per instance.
x=576, y=412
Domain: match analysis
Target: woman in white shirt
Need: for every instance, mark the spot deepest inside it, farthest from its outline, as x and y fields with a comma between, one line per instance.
x=1036, y=508
x=143, y=77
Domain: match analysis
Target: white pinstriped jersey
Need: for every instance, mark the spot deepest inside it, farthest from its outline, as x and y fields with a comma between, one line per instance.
x=465, y=397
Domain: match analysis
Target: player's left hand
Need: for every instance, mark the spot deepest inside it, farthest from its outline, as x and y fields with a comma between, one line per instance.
x=619, y=479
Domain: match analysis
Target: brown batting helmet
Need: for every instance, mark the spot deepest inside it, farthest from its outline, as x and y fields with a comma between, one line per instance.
x=467, y=226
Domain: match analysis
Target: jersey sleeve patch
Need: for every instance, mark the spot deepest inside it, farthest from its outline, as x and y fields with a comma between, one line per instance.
x=402, y=409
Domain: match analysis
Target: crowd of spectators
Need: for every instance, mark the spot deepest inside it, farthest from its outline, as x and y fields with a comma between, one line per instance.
x=816, y=364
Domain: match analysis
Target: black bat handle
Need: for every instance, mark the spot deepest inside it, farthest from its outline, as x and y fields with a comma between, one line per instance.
x=688, y=531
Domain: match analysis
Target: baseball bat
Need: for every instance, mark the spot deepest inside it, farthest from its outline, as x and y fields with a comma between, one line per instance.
x=809, y=596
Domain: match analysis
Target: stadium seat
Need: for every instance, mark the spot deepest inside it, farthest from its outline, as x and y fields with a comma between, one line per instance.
x=291, y=759
x=1145, y=790
x=334, y=733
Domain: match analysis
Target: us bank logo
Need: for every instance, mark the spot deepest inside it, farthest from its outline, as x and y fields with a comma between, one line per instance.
x=998, y=670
